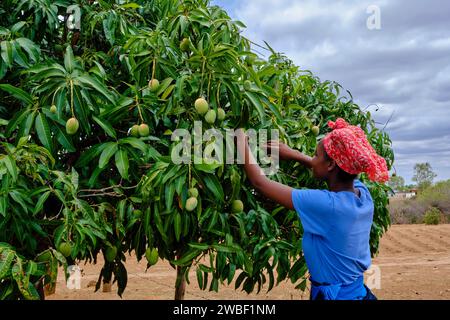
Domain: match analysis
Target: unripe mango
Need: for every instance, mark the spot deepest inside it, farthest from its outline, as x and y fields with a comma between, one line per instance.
x=210, y=116
x=111, y=253
x=134, y=131
x=250, y=60
x=153, y=85
x=72, y=126
x=193, y=192
x=53, y=109
x=152, y=256
x=220, y=114
x=144, y=130
x=237, y=206
x=44, y=257
x=201, y=105
x=184, y=45
x=137, y=213
x=315, y=130
x=191, y=203
x=65, y=248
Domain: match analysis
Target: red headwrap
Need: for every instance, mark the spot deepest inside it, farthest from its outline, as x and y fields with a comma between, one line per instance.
x=348, y=146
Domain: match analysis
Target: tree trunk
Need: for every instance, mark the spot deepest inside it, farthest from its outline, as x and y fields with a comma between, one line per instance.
x=107, y=286
x=40, y=289
x=180, y=284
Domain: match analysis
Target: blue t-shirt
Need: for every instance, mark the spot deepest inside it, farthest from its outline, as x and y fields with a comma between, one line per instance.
x=336, y=232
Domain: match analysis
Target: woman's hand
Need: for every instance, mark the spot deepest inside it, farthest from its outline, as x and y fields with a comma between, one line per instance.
x=287, y=153
x=284, y=151
x=276, y=191
x=240, y=135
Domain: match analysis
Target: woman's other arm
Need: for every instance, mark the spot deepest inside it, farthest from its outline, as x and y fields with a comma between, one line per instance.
x=287, y=153
x=273, y=190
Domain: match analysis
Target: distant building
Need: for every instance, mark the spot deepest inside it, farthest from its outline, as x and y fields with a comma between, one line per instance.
x=404, y=194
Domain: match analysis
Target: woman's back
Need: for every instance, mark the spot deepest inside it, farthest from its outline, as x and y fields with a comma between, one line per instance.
x=336, y=232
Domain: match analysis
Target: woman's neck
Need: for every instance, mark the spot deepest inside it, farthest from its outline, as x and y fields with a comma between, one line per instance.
x=335, y=185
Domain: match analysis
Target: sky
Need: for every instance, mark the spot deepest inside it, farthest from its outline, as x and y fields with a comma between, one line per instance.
x=399, y=68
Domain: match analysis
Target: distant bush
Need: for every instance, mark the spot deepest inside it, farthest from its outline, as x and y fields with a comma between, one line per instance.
x=414, y=210
x=437, y=196
x=432, y=216
x=406, y=211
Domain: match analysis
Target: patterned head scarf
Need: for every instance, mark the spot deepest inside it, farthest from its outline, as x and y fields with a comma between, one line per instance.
x=348, y=146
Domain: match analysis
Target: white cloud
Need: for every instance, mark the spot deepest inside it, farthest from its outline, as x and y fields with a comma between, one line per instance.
x=403, y=68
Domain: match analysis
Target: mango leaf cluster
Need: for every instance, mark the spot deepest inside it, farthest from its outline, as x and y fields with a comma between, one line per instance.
x=109, y=190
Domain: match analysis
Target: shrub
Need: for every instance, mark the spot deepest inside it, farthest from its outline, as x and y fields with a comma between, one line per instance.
x=432, y=216
x=406, y=211
x=437, y=196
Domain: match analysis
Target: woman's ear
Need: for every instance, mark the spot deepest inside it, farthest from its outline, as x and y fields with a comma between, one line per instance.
x=331, y=165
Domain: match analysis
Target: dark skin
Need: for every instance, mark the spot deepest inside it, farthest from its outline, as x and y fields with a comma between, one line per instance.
x=322, y=167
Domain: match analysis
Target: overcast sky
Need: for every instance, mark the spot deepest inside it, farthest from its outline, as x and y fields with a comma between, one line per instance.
x=403, y=67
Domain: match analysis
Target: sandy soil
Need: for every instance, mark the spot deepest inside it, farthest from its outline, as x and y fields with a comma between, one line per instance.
x=414, y=263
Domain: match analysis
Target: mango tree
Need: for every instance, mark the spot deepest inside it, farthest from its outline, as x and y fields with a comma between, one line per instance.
x=87, y=112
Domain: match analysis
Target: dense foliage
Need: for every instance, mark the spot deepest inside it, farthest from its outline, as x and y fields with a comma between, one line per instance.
x=95, y=186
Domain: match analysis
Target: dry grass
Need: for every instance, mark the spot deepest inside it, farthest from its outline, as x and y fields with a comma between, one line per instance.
x=413, y=210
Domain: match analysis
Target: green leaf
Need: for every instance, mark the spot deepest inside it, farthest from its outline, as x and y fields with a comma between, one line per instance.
x=17, y=26
x=122, y=165
x=159, y=224
x=41, y=201
x=214, y=285
x=169, y=194
x=122, y=278
x=239, y=280
x=167, y=92
x=135, y=143
x=130, y=5
x=81, y=109
x=213, y=184
x=94, y=176
x=18, y=198
x=272, y=107
x=64, y=139
x=43, y=131
x=200, y=246
x=90, y=154
x=7, y=52
x=3, y=205
x=25, y=128
x=120, y=106
x=74, y=178
x=257, y=104
x=11, y=166
x=30, y=47
x=96, y=85
x=19, y=56
x=105, y=126
x=187, y=258
x=164, y=85
x=223, y=248
x=177, y=226
x=12, y=124
x=199, y=277
x=179, y=184
x=231, y=273
x=69, y=60
x=6, y=258
x=17, y=93
x=108, y=152
x=109, y=28
x=207, y=167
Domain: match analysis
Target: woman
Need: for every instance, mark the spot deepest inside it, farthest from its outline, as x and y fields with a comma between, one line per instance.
x=337, y=221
